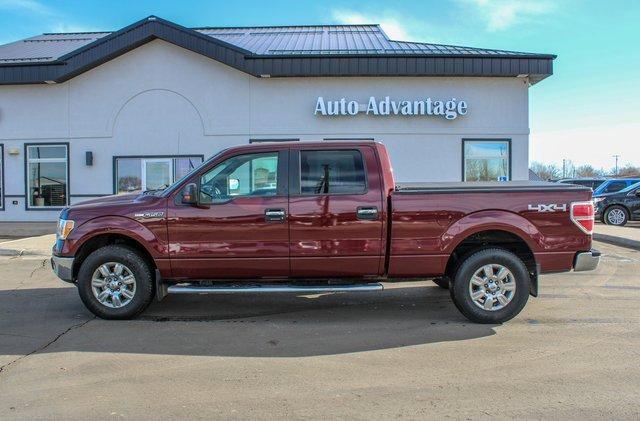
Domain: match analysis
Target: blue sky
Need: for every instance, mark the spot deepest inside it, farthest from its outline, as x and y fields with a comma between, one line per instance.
x=586, y=112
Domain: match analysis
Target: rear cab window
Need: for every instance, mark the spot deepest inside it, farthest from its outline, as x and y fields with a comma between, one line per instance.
x=332, y=172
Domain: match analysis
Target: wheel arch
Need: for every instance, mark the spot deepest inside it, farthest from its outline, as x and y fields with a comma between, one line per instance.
x=110, y=238
x=505, y=230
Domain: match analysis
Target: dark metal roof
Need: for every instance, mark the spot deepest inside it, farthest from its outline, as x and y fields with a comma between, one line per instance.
x=276, y=51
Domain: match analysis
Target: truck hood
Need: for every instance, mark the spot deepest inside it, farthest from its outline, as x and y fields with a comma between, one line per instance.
x=116, y=198
x=127, y=205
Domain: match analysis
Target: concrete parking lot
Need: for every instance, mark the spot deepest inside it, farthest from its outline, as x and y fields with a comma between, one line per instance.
x=405, y=352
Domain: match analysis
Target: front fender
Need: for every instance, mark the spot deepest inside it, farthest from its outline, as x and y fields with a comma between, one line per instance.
x=152, y=237
x=491, y=220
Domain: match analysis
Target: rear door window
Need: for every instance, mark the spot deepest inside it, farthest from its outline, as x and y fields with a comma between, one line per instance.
x=332, y=172
x=615, y=186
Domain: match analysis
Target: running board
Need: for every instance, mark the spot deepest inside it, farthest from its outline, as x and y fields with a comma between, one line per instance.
x=271, y=288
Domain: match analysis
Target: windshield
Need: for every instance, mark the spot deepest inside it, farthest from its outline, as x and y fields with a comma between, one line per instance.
x=176, y=183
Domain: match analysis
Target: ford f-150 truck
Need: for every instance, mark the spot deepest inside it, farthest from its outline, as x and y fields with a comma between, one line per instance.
x=313, y=217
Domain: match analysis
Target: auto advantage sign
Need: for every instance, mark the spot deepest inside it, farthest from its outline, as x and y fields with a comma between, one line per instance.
x=449, y=109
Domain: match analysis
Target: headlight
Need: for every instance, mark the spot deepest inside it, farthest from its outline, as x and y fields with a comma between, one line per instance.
x=64, y=228
x=597, y=200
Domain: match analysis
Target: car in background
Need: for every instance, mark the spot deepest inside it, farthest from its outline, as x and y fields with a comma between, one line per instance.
x=593, y=183
x=620, y=207
x=614, y=185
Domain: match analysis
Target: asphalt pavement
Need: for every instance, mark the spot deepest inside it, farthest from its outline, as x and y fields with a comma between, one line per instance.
x=405, y=352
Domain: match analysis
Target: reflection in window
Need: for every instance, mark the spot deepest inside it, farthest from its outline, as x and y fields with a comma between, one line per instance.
x=137, y=174
x=243, y=175
x=486, y=160
x=47, y=181
x=338, y=172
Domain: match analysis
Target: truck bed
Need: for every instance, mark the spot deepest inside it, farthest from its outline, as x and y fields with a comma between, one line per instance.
x=485, y=187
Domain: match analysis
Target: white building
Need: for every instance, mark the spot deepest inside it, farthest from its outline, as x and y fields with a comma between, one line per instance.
x=90, y=114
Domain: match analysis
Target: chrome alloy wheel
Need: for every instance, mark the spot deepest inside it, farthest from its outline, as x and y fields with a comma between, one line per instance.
x=113, y=285
x=492, y=287
x=616, y=216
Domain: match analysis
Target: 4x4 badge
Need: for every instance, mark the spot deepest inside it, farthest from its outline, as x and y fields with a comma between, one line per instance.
x=551, y=207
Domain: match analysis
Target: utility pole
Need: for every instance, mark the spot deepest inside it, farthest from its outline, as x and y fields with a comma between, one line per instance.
x=564, y=168
x=616, y=157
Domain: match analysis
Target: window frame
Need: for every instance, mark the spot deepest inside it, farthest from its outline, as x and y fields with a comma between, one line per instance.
x=295, y=178
x=26, y=176
x=116, y=157
x=489, y=140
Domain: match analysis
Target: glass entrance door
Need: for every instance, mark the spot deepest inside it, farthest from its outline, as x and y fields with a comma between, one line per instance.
x=156, y=173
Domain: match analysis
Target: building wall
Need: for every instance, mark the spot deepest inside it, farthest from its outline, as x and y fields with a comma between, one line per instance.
x=160, y=99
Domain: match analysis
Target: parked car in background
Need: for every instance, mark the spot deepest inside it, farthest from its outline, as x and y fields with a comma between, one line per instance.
x=592, y=183
x=614, y=185
x=620, y=207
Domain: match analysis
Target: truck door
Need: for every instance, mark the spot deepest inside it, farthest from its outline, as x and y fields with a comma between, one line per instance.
x=241, y=228
x=335, y=212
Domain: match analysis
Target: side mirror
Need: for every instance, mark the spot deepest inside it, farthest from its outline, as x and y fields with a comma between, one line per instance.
x=234, y=184
x=190, y=194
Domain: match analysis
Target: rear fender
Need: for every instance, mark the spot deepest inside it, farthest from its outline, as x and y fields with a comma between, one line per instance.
x=491, y=220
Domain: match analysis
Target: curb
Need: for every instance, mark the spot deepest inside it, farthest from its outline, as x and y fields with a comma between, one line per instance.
x=15, y=253
x=617, y=241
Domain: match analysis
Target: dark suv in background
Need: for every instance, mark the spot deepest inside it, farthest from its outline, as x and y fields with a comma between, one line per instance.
x=620, y=207
x=592, y=183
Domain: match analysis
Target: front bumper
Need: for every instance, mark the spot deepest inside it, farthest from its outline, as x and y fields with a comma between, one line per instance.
x=587, y=260
x=63, y=267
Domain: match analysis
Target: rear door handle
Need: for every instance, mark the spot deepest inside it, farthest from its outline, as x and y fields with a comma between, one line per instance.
x=275, y=215
x=367, y=213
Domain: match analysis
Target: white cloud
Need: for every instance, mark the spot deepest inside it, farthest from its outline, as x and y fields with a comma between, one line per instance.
x=503, y=14
x=31, y=6
x=389, y=21
x=65, y=27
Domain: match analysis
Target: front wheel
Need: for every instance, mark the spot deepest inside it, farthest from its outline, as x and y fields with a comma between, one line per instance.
x=616, y=215
x=115, y=282
x=491, y=286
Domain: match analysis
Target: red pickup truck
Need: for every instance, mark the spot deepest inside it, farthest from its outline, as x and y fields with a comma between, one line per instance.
x=322, y=217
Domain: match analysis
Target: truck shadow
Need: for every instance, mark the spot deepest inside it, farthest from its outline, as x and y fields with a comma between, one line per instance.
x=252, y=325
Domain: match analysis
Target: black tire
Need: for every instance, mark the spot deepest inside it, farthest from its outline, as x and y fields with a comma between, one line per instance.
x=617, y=222
x=460, y=289
x=442, y=282
x=144, y=285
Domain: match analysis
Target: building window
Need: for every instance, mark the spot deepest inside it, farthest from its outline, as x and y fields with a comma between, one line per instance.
x=134, y=174
x=486, y=160
x=47, y=175
x=332, y=172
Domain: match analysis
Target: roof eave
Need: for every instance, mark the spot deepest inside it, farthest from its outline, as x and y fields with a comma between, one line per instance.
x=117, y=43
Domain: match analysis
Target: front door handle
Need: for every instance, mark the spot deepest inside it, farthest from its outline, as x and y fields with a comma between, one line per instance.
x=367, y=213
x=275, y=215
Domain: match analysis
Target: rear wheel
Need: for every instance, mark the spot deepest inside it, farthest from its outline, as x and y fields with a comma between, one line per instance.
x=115, y=282
x=616, y=215
x=490, y=286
